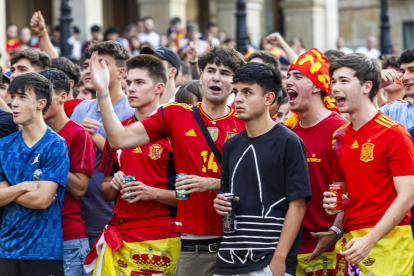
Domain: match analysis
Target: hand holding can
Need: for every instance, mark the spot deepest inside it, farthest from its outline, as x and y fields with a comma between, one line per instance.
x=178, y=193
x=229, y=220
x=333, y=201
x=129, y=179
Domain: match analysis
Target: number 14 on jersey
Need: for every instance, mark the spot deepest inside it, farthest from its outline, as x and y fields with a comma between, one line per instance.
x=211, y=164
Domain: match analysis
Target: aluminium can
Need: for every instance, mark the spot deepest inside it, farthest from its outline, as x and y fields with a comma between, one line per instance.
x=178, y=194
x=129, y=179
x=339, y=204
x=230, y=220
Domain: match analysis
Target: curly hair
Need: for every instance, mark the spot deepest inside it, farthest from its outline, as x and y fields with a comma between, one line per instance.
x=224, y=55
x=112, y=48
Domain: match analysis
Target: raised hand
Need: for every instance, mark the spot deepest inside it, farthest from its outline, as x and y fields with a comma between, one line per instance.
x=276, y=39
x=99, y=73
x=37, y=23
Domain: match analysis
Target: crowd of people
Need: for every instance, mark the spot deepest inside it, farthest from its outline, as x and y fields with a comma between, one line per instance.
x=121, y=164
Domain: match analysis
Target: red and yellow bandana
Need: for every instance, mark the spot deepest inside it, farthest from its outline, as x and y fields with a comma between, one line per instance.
x=316, y=67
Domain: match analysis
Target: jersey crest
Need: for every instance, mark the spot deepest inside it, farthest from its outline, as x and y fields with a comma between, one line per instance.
x=367, y=152
x=213, y=133
x=155, y=151
x=230, y=134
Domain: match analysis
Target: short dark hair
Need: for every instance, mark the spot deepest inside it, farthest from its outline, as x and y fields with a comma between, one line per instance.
x=365, y=70
x=185, y=69
x=266, y=76
x=187, y=90
x=58, y=79
x=76, y=30
x=390, y=61
x=72, y=71
x=407, y=56
x=224, y=55
x=211, y=24
x=95, y=28
x=333, y=55
x=40, y=85
x=38, y=59
x=154, y=66
x=266, y=56
x=112, y=48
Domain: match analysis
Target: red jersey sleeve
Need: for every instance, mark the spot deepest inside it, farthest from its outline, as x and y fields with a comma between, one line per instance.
x=400, y=152
x=108, y=165
x=82, y=155
x=336, y=171
x=157, y=125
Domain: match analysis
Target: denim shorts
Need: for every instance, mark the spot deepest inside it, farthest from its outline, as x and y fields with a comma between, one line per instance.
x=74, y=253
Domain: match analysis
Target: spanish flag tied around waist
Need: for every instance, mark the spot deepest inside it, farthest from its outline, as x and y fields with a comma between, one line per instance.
x=135, y=248
x=316, y=67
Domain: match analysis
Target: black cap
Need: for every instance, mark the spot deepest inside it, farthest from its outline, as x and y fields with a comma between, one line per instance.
x=165, y=54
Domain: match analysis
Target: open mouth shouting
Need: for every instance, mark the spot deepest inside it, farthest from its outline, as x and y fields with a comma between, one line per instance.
x=292, y=95
x=215, y=89
x=340, y=101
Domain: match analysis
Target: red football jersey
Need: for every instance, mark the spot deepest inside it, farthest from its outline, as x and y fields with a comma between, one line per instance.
x=193, y=156
x=70, y=105
x=81, y=149
x=318, y=143
x=152, y=165
x=367, y=160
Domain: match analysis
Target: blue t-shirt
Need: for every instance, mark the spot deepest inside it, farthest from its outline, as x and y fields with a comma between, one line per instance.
x=96, y=212
x=402, y=112
x=27, y=233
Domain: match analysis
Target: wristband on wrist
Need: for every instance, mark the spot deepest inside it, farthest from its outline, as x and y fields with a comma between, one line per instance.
x=193, y=61
x=339, y=232
x=41, y=34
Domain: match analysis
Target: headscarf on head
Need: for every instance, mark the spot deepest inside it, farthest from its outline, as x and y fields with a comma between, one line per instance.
x=316, y=67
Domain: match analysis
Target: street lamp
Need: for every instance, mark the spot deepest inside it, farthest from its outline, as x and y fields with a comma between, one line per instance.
x=385, y=29
x=241, y=29
x=65, y=30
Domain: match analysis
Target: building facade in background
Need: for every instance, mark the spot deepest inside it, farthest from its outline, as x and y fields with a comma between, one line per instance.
x=317, y=22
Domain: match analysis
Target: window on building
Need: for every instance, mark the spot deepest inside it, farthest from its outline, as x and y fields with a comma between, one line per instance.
x=408, y=32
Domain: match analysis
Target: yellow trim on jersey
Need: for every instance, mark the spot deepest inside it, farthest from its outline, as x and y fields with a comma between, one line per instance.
x=382, y=123
x=215, y=120
x=386, y=118
x=342, y=127
x=185, y=106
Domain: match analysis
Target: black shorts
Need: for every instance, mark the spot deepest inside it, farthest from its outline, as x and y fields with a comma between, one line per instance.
x=13, y=267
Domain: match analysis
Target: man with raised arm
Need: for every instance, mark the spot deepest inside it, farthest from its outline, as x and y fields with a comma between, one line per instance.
x=198, y=223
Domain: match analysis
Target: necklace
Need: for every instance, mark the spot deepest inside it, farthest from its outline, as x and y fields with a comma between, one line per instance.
x=323, y=118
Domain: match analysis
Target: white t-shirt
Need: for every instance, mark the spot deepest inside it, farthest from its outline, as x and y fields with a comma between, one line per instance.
x=152, y=38
x=371, y=54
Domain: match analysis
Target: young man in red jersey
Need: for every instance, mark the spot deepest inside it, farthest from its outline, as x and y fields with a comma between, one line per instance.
x=81, y=150
x=198, y=223
x=375, y=165
x=144, y=209
x=308, y=92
